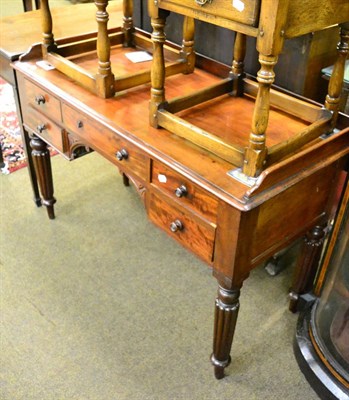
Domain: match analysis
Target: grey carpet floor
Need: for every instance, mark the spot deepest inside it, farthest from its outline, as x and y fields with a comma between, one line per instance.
x=99, y=304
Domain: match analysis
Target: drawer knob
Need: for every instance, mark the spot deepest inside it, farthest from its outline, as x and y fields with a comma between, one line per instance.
x=121, y=154
x=40, y=128
x=79, y=124
x=40, y=99
x=181, y=191
x=203, y=2
x=176, y=226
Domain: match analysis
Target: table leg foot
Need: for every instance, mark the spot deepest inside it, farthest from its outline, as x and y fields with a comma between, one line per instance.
x=219, y=366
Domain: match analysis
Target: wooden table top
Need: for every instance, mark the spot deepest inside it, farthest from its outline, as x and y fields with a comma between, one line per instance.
x=127, y=114
x=19, y=32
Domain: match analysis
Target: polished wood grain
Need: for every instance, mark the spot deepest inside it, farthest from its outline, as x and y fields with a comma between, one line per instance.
x=192, y=232
x=87, y=129
x=44, y=128
x=42, y=101
x=191, y=195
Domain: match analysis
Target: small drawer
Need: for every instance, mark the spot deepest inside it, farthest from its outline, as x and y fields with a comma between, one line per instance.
x=183, y=190
x=127, y=156
x=245, y=12
x=43, y=127
x=188, y=229
x=42, y=101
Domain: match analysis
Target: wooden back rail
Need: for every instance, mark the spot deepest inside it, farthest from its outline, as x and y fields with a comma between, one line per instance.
x=104, y=83
x=253, y=159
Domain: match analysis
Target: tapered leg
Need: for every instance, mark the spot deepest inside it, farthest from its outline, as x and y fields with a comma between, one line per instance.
x=226, y=313
x=307, y=264
x=42, y=164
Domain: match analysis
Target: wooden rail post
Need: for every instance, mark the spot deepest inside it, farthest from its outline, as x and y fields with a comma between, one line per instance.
x=128, y=27
x=104, y=77
x=48, y=43
x=256, y=152
x=237, y=70
x=157, y=93
x=336, y=80
x=188, y=52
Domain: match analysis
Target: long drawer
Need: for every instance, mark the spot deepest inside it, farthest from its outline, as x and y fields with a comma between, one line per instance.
x=127, y=156
x=187, y=228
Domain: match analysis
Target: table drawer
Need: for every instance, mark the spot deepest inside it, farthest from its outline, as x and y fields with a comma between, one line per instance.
x=42, y=101
x=127, y=156
x=184, y=191
x=43, y=127
x=188, y=229
x=246, y=12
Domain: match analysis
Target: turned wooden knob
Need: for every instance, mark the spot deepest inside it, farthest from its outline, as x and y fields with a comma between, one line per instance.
x=121, y=154
x=40, y=99
x=181, y=191
x=79, y=124
x=40, y=128
x=176, y=226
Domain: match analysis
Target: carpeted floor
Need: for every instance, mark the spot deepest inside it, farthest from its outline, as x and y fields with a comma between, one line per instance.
x=99, y=304
x=10, y=134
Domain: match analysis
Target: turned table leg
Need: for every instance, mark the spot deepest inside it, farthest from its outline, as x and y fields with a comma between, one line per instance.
x=307, y=264
x=226, y=313
x=42, y=164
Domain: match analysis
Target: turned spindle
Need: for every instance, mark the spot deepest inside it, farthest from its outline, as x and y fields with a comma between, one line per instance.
x=157, y=93
x=256, y=151
x=104, y=76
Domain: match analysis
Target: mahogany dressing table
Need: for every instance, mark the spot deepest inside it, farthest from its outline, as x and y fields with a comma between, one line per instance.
x=187, y=188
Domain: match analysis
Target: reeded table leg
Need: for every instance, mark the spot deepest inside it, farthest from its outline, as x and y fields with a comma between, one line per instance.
x=31, y=168
x=42, y=164
x=226, y=313
x=307, y=263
